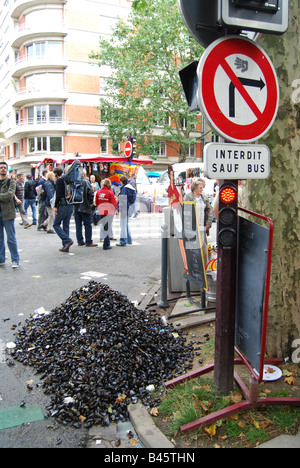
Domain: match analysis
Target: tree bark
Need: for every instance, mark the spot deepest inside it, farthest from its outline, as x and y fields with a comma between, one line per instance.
x=278, y=197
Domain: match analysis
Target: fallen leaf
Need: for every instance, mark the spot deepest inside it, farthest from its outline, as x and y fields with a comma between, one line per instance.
x=133, y=442
x=211, y=430
x=290, y=380
x=154, y=412
x=255, y=424
x=265, y=424
x=205, y=405
x=121, y=398
x=241, y=424
x=234, y=417
x=234, y=397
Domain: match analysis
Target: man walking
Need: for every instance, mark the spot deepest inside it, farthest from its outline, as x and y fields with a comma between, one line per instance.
x=19, y=198
x=83, y=216
x=126, y=199
x=30, y=197
x=63, y=212
x=7, y=217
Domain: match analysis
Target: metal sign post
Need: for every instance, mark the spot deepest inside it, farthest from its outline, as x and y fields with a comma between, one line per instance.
x=226, y=298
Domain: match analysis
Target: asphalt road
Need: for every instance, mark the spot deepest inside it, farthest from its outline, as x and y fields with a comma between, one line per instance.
x=46, y=278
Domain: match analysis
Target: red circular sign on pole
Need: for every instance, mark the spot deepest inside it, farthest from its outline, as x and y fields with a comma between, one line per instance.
x=238, y=89
x=128, y=149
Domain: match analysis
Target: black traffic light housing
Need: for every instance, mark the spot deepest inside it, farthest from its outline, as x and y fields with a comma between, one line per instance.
x=255, y=15
x=258, y=5
x=227, y=222
x=209, y=20
x=133, y=144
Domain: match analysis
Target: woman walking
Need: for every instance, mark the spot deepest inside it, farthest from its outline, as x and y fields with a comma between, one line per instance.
x=106, y=203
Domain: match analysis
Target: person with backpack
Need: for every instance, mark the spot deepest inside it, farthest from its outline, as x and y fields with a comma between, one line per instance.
x=46, y=199
x=7, y=217
x=83, y=215
x=63, y=211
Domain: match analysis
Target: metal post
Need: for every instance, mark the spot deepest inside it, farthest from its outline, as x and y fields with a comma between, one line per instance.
x=163, y=303
x=225, y=319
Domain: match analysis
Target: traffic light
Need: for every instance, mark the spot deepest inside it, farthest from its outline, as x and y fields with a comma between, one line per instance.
x=255, y=15
x=133, y=153
x=227, y=228
x=133, y=146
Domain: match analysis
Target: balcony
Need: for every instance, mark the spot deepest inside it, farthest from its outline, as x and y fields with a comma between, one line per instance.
x=44, y=126
x=40, y=31
x=25, y=97
x=30, y=64
x=21, y=5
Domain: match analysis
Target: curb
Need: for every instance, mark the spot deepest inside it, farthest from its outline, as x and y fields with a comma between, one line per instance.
x=149, y=435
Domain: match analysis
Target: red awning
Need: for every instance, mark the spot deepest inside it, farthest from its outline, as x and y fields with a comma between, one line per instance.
x=115, y=159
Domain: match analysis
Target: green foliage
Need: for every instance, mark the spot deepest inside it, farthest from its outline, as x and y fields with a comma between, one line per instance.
x=144, y=90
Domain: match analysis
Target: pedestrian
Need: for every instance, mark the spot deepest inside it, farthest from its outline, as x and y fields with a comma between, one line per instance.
x=63, y=212
x=7, y=217
x=106, y=203
x=133, y=209
x=126, y=199
x=43, y=213
x=175, y=195
x=94, y=184
x=83, y=216
x=19, y=200
x=204, y=212
x=30, y=197
x=47, y=199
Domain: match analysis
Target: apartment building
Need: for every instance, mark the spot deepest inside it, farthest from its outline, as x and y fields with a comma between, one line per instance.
x=49, y=91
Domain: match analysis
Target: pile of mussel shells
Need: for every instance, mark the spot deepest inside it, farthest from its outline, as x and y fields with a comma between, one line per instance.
x=97, y=353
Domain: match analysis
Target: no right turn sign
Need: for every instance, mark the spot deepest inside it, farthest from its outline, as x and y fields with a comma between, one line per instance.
x=238, y=89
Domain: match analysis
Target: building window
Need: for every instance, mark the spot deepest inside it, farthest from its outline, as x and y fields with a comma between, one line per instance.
x=44, y=114
x=192, y=151
x=43, y=82
x=160, y=149
x=41, y=50
x=104, y=146
x=43, y=144
x=17, y=150
x=55, y=144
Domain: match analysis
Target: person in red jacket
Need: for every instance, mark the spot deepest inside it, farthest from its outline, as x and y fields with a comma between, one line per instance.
x=106, y=203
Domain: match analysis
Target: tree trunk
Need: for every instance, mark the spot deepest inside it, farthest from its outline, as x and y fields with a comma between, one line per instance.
x=278, y=197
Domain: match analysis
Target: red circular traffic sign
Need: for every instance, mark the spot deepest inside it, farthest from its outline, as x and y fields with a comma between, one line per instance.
x=238, y=89
x=128, y=149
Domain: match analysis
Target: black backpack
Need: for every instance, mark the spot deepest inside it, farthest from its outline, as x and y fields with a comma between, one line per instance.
x=73, y=183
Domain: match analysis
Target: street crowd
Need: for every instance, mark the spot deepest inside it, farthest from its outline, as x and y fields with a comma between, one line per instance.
x=52, y=209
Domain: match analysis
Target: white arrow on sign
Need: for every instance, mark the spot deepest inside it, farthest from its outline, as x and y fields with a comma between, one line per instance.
x=232, y=161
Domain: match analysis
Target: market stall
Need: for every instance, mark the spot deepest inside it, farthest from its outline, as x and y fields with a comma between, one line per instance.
x=113, y=167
